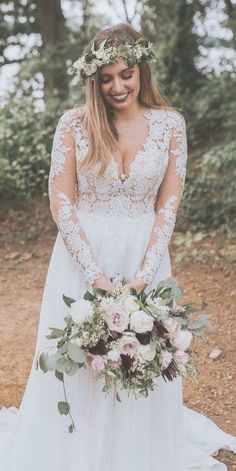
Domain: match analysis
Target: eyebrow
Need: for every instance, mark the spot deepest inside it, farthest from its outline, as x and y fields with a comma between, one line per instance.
x=130, y=69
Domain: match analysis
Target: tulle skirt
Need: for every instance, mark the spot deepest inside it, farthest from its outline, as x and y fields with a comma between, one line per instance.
x=156, y=433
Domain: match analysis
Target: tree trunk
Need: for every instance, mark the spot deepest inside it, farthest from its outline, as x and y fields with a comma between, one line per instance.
x=53, y=33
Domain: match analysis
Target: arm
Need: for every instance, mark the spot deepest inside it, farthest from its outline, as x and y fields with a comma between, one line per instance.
x=62, y=194
x=168, y=200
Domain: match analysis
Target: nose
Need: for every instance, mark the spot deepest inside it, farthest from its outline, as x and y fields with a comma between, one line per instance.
x=118, y=85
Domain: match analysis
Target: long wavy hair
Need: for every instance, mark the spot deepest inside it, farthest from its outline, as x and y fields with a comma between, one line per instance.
x=97, y=115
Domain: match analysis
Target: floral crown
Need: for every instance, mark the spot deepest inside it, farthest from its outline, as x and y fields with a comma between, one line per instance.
x=131, y=51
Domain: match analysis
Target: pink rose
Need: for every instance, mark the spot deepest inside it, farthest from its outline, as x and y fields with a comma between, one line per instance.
x=129, y=345
x=98, y=363
x=118, y=320
x=165, y=358
x=172, y=326
x=181, y=357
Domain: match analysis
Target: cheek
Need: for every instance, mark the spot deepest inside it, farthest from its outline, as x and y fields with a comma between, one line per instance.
x=104, y=87
x=135, y=83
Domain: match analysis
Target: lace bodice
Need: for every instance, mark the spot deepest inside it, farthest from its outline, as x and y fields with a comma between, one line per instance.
x=154, y=183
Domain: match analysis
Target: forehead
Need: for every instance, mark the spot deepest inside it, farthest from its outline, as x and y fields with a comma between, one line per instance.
x=113, y=69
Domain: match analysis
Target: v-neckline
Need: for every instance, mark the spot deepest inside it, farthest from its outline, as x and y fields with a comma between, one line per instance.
x=122, y=177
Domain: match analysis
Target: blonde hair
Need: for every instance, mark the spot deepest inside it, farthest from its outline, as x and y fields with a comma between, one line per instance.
x=97, y=116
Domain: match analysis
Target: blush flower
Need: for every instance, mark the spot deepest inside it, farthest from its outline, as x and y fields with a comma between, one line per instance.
x=165, y=358
x=181, y=357
x=118, y=319
x=172, y=326
x=98, y=363
x=129, y=345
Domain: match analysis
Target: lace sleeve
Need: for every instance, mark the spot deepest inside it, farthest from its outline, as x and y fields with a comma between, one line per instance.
x=62, y=194
x=168, y=199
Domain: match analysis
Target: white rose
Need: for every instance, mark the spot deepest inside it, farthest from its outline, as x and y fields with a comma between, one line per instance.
x=141, y=322
x=129, y=304
x=182, y=339
x=148, y=351
x=113, y=355
x=81, y=311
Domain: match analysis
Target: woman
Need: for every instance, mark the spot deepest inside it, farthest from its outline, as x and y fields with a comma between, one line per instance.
x=115, y=184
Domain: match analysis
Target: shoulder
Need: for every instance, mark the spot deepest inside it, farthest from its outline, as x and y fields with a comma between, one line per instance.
x=169, y=116
x=71, y=118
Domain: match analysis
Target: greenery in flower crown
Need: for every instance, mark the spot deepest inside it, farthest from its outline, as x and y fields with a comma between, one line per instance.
x=130, y=50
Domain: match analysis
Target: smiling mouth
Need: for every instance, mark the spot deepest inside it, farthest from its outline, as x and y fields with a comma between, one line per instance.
x=120, y=98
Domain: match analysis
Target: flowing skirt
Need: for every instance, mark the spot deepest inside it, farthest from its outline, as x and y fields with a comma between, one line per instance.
x=156, y=433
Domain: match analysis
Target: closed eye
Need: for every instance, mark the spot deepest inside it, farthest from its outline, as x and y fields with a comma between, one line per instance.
x=107, y=79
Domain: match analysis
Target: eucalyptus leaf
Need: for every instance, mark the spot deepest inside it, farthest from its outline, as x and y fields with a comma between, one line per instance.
x=42, y=361
x=74, y=368
x=59, y=375
x=99, y=292
x=195, y=324
x=198, y=332
x=64, y=364
x=68, y=301
x=51, y=361
x=63, y=348
x=181, y=320
x=89, y=296
x=63, y=407
x=56, y=333
x=75, y=353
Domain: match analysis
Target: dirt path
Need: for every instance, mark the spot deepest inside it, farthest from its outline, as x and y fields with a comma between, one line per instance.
x=25, y=255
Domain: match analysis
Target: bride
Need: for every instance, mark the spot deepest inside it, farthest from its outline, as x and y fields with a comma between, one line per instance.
x=115, y=184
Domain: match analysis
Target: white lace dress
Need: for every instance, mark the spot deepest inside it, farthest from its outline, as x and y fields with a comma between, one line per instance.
x=109, y=225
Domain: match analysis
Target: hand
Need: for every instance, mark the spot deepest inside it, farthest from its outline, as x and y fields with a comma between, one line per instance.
x=103, y=283
x=138, y=285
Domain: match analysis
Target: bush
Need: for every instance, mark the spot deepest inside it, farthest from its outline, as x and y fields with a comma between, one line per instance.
x=25, y=146
x=209, y=198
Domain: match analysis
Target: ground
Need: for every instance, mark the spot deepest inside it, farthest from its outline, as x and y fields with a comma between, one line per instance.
x=27, y=238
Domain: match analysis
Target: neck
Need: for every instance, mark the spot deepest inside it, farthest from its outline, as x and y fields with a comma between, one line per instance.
x=127, y=114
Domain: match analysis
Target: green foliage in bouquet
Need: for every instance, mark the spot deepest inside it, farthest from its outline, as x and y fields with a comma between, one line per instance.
x=128, y=340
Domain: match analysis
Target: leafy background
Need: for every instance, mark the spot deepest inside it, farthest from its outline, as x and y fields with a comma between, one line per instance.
x=43, y=40
x=195, y=44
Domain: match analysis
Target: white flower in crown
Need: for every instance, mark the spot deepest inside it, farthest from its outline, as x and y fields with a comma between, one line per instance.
x=132, y=53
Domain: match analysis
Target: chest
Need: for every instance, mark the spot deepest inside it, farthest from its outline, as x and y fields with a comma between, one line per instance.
x=131, y=141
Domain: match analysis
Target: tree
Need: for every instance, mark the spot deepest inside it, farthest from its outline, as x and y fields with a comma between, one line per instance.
x=172, y=24
x=52, y=26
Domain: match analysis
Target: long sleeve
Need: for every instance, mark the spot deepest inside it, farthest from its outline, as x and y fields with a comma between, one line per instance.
x=62, y=194
x=168, y=200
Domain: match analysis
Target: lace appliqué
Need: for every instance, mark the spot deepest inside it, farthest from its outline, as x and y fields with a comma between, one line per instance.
x=64, y=206
x=154, y=256
x=181, y=151
x=59, y=150
x=78, y=248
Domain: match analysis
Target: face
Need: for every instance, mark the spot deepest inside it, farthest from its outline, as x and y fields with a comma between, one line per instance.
x=119, y=84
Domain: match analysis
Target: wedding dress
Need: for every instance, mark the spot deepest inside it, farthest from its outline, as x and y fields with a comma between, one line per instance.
x=107, y=224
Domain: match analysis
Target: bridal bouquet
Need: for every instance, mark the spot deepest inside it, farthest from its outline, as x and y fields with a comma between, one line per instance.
x=127, y=340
